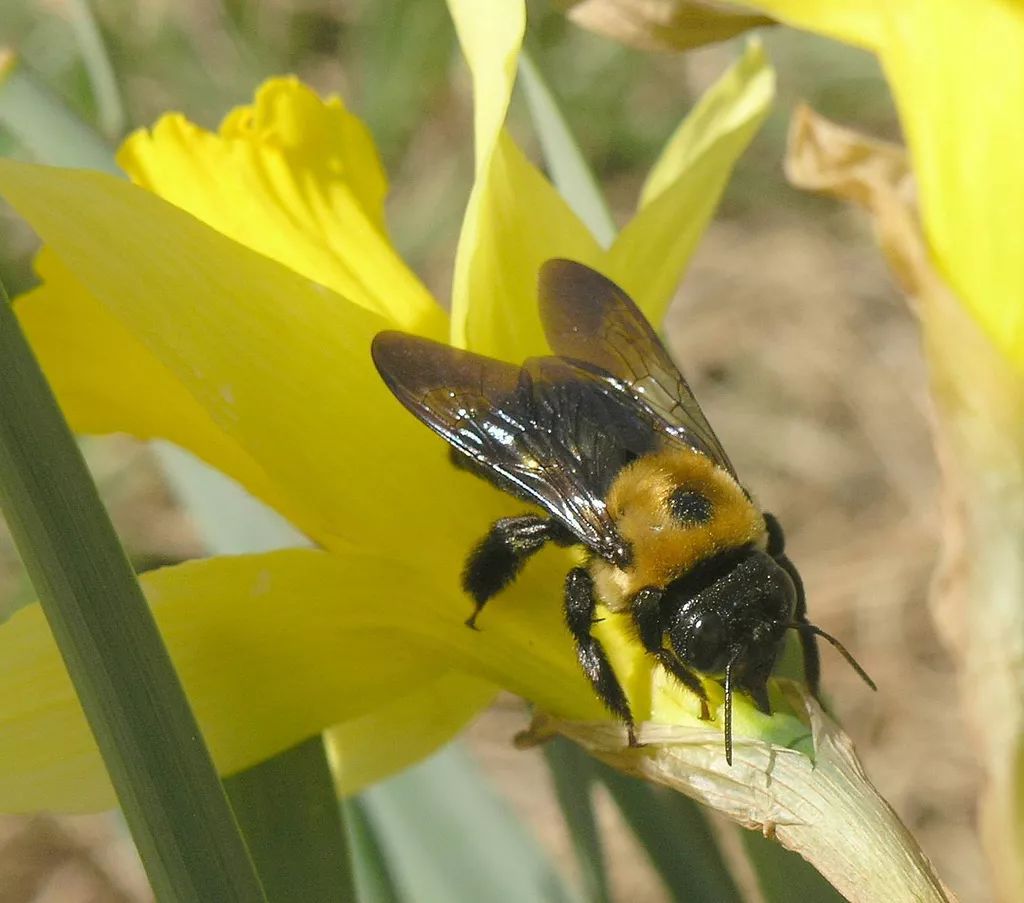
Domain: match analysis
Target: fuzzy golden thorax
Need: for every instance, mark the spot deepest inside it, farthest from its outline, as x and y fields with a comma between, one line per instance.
x=663, y=546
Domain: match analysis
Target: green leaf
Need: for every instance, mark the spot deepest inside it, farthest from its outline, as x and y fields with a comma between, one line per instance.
x=568, y=168
x=374, y=881
x=572, y=771
x=165, y=780
x=293, y=826
x=675, y=834
x=450, y=838
x=97, y=64
x=44, y=124
x=784, y=875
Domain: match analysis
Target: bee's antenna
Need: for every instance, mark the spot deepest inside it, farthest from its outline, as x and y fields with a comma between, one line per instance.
x=817, y=631
x=728, y=705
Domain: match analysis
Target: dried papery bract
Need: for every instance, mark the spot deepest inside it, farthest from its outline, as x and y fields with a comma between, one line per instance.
x=824, y=808
x=978, y=398
x=663, y=25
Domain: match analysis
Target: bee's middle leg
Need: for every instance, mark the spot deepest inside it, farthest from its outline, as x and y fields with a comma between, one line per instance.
x=580, y=606
x=500, y=555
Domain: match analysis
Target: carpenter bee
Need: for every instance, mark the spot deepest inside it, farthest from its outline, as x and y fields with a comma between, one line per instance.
x=607, y=439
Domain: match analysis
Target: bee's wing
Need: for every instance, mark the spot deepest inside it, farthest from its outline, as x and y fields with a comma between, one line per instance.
x=589, y=318
x=547, y=431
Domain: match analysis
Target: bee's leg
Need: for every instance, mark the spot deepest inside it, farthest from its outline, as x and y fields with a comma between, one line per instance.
x=808, y=642
x=580, y=605
x=647, y=618
x=501, y=554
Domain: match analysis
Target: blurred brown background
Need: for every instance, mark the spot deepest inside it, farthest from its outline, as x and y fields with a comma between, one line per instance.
x=794, y=338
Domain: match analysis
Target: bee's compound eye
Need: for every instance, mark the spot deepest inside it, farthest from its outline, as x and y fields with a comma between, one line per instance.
x=707, y=642
x=689, y=507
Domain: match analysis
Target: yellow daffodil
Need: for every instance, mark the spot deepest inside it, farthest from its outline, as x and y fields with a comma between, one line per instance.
x=226, y=302
x=956, y=76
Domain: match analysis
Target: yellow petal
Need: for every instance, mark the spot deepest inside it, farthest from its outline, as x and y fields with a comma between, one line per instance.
x=407, y=730
x=276, y=647
x=682, y=191
x=955, y=70
x=516, y=220
x=107, y=382
x=490, y=35
x=663, y=25
x=280, y=364
x=297, y=179
x=271, y=649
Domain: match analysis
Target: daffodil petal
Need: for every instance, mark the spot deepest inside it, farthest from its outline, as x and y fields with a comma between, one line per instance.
x=107, y=382
x=279, y=363
x=276, y=647
x=406, y=730
x=854, y=22
x=680, y=195
x=298, y=179
x=955, y=70
x=270, y=648
x=491, y=35
x=516, y=220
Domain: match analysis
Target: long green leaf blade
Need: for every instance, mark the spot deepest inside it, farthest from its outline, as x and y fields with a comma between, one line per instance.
x=572, y=771
x=110, y=109
x=292, y=823
x=230, y=522
x=165, y=780
x=784, y=875
x=45, y=125
x=450, y=838
x=373, y=875
x=569, y=170
x=675, y=834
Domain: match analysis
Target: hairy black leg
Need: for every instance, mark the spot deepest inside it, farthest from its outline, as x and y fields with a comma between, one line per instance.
x=808, y=642
x=501, y=554
x=580, y=604
x=647, y=618
x=776, y=538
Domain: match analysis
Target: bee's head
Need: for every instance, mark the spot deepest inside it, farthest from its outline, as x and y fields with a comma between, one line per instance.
x=730, y=614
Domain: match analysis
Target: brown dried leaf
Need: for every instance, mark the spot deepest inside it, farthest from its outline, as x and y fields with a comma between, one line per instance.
x=664, y=25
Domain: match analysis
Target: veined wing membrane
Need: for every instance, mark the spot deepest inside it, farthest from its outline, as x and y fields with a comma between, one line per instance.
x=547, y=430
x=589, y=318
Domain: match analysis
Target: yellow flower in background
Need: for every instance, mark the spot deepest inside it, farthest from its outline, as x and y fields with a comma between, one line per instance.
x=955, y=71
x=226, y=303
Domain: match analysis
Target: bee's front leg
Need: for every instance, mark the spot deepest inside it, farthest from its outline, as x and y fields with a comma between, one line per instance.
x=501, y=554
x=646, y=607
